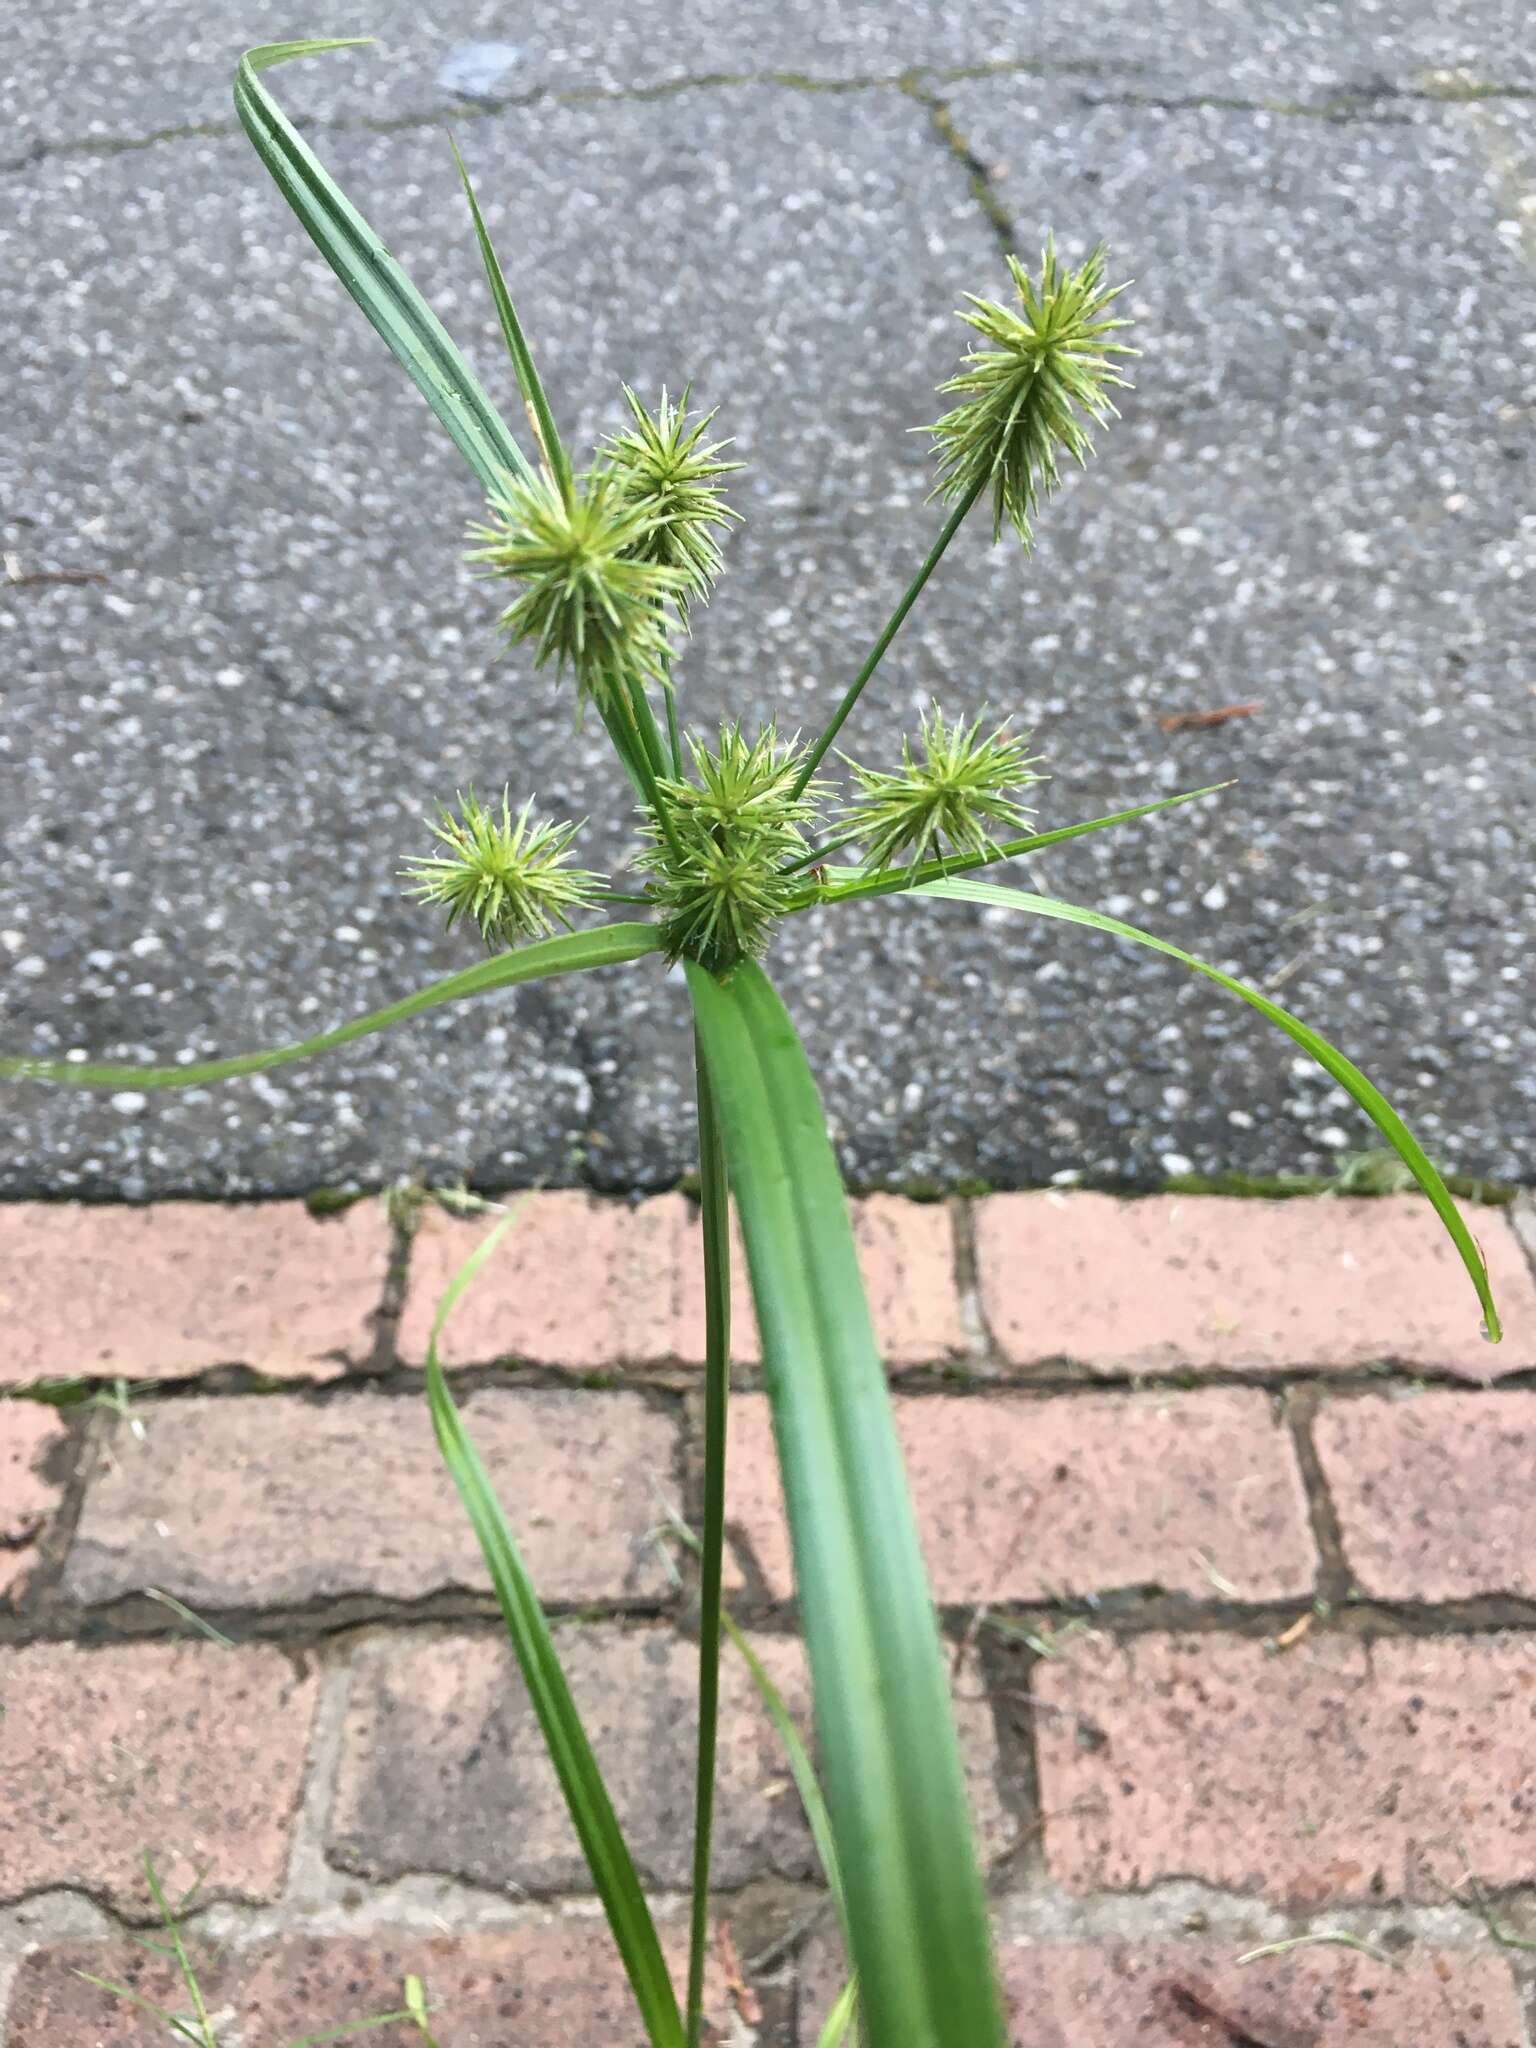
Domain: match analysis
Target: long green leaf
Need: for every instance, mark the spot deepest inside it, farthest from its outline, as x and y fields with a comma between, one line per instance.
x=1328, y=1057
x=586, y=1795
x=524, y=368
x=610, y=945
x=412, y=331
x=716, y=1236
x=844, y=884
x=891, y=1763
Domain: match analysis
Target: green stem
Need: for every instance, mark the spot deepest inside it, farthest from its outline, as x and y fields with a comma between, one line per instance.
x=646, y=727
x=818, y=854
x=892, y=881
x=674, y=733
x=717, y=1384
x=649, y=764
x=952, y=526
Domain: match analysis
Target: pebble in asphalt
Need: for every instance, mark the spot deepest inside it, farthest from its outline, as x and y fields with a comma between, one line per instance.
x=1319, y=498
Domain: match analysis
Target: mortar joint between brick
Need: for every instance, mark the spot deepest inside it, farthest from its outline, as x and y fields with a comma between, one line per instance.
x=1007, y=1668
x=980, y=1348
x=43, y=1591
x=1334, y=1579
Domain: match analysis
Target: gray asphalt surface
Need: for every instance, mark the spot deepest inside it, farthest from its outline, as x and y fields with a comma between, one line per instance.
x=1322, y=498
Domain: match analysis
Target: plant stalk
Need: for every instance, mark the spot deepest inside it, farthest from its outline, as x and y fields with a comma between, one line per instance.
x=649, y=763
x=715, y=1207
x=892, y=627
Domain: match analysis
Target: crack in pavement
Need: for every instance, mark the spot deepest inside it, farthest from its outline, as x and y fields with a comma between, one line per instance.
x=1343, y=103
x=979, y=174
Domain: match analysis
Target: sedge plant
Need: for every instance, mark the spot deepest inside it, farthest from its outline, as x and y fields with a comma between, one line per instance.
x=596, y=572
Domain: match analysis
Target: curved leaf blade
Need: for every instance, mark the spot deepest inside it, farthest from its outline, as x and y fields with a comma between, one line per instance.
x=370, y=273
x=845, y=2010
x=611, y=945
x=890, y=1761
x=847, y=884
x=581, y=1781
x=1328, y=1057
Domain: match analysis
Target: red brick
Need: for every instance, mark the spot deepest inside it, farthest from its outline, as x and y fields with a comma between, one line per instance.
x=1068, y=1994
x=444, y=1768
x=1025, y=1499
x=176, y=1288
x=577, y=1282
x=907, y=1257
x=1335, y=1771
x=31, y=1436
x=1177, y=1283
x=191, y=1752
x=267, y=1501
x=553, y=1984
x=586, y=1285
x=1434, y=1492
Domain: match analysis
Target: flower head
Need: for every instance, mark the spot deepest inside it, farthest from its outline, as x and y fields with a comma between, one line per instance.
x=737, y=825
x=1027, y=396
x=952, y=789
x=664, y=469
x=510, y=875
x=590, y=600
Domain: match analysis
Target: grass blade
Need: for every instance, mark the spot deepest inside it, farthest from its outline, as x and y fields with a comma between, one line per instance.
x=354, y=2027
x=398, y=313
x=183, y=1960
x=586, y=1795
x=895, y=1791
x=1332, y=1061
x=839, y=2023
x=528, y=379
x=1322, y=1938
x=801, y=1769
x=194, y=1621
x=178, y=2026
x=610, y=945
x=716, y=1224
x=416, y=2006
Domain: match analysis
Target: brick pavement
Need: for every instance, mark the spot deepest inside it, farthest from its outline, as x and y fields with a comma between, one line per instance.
x=1228, y=1510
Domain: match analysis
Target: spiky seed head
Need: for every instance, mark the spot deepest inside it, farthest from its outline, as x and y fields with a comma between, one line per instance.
x=665, y=470
x=590, y=601
x=511, y=876
x=1032, y=393
x=738, y=825
x=952, y=792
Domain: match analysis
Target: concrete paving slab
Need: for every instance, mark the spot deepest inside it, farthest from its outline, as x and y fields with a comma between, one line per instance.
x=1319, y=499
x=79, y=79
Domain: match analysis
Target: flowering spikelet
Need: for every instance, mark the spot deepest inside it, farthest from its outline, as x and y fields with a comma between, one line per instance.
x=590, y=600
x=1027, y=396
x=738, y=825
x=509, y=875
x=664, y=469
x=951, y=792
